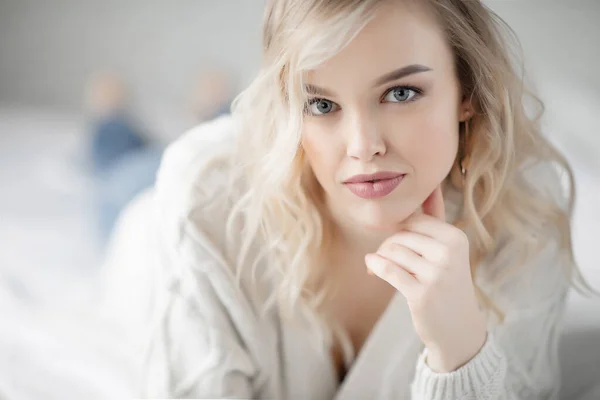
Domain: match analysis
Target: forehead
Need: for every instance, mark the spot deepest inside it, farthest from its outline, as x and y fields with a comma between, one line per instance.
x=399, y=34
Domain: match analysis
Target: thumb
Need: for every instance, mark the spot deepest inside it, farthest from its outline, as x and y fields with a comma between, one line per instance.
x=434, y=204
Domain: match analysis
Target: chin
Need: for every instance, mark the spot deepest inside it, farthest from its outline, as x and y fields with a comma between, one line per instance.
x=380, y=217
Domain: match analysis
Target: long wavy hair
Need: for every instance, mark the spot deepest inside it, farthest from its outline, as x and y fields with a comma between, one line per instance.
x=276, y=203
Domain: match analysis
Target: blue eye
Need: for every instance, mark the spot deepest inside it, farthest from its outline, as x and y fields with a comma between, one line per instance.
x=320, y=106
x=400, y=94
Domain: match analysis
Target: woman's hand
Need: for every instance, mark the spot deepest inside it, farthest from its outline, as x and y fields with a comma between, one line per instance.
x=428, y=262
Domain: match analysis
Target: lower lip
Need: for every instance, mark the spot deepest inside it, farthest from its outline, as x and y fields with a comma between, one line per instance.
x=373, y=190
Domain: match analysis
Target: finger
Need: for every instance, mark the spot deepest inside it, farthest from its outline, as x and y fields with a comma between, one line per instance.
x=392, y=274
x=407, y=259
x=429, y=226
x=434, y=204
x=425, y=246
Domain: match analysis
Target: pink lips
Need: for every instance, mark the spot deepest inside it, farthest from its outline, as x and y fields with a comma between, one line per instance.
x=375, y=185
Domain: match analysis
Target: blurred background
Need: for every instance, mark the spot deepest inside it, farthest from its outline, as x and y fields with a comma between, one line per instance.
x=91, y=92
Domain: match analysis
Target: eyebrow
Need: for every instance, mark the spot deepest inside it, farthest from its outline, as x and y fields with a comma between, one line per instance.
x=390, y=76
x=313, y=90
x=401, y=73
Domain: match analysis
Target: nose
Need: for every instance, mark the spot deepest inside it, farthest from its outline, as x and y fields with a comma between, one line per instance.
x=365, y=139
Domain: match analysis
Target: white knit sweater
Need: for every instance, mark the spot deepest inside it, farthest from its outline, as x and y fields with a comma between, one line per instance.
x=211, y=342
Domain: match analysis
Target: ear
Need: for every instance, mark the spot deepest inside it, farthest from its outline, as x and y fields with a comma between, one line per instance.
x=465, y=109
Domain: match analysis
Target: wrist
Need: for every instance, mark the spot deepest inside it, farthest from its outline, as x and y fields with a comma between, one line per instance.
x=451, y=358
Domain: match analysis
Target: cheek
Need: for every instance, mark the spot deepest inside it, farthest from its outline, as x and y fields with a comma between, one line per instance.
x=321, y=153
x=438, y=140
x=428, y=143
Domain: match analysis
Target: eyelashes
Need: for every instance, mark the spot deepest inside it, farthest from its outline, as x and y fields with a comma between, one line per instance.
x=318, y=106
x=402, y=94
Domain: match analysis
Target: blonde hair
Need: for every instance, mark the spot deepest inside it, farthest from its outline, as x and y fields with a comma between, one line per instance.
x=278, y=209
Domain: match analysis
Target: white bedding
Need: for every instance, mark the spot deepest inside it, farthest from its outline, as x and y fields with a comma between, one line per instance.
x=53, y=344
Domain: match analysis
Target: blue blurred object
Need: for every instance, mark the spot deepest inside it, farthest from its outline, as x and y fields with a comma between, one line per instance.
x=112, y=137
x=123, y=165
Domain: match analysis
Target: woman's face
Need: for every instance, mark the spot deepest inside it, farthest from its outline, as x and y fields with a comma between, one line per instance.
x=389, y=103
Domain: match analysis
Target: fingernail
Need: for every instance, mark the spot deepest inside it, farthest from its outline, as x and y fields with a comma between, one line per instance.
x=369, y=271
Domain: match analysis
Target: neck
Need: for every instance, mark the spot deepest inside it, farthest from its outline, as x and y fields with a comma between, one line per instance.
x=351, y=241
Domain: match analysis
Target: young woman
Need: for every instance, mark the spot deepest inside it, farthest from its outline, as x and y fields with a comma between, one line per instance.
x=380, y=218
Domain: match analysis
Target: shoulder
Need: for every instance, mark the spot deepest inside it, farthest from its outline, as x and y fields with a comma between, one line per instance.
x=193, y=156
x=194, y=185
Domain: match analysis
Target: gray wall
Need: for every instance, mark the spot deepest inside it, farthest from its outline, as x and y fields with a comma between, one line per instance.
x=49, y=47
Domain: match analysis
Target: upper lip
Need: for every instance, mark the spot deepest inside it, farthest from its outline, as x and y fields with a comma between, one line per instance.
x=377, y=176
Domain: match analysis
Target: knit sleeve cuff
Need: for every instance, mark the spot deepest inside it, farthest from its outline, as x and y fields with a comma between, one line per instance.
x=481, y=377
